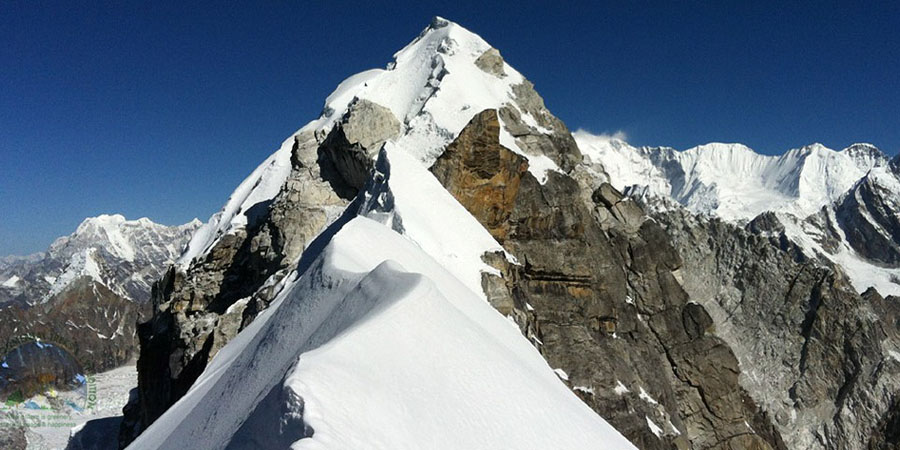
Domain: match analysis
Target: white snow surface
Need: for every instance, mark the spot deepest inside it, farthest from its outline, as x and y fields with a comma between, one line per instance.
x=654, y=428
x=409, y=199
x=732, y=181
x=378, y=346
x=11, y=281
x=433, y=87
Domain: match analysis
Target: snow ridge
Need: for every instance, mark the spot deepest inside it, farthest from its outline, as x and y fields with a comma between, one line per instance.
x=358, y=331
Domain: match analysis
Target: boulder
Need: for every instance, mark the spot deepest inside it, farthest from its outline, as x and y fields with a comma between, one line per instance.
x=491, y=62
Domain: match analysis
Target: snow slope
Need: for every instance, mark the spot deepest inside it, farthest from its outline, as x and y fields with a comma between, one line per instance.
x=409, y=199
x=376, y=345
x=433, y=87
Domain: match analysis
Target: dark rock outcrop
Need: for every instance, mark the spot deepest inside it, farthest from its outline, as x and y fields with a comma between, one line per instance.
x=815, y=356
x=97, y=434
x=869, y=218
x=198, y=310
x=485, y=180
x=597, y=291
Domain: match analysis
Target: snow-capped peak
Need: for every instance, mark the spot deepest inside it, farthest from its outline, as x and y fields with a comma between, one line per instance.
x=111, y=232
x=126, y=256
x=866, y=155
x=433, y=87
x=122, y=238
x=733, y=181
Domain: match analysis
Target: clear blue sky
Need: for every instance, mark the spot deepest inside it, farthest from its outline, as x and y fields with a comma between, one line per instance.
x=160, y=110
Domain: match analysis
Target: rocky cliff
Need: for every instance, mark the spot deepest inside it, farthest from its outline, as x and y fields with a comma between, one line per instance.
x=820, y=358
x=597, y=290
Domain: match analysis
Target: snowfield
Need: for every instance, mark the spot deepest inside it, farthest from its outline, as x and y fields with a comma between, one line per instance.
x=378, y=346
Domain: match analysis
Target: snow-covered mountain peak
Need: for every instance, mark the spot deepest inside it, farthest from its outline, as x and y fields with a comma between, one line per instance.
x=733, y=181
x=122, y=238
x=433, y=87
x=866, y=155
x=126, y=256
x=438, y=22
x=103, y=220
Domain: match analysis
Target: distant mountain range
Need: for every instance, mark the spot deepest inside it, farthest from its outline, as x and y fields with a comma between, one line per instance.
x=89, y=289
x=126, y=256
x=842, y=206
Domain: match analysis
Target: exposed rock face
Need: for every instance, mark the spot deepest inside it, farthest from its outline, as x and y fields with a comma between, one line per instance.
x=486, y=178
x=491, y=62
x=870, y=217
x=550, y=138
x=354, y=142
x=96, y=325
x=597, y=291
x=812, y=353
x=198, y=311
